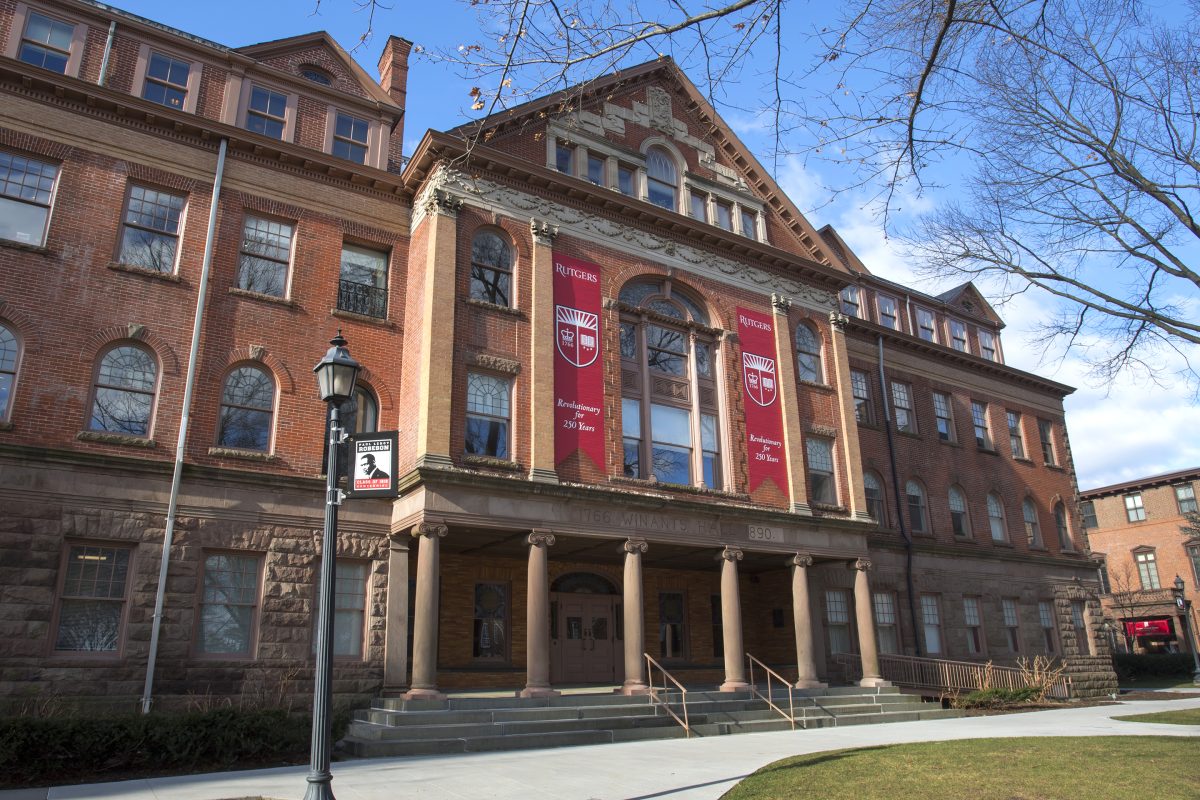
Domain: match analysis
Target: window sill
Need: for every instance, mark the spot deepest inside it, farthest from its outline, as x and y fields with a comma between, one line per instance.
x=831, y=507
x=996, y=543
x=382, y=322
x=988, y=450
x=491, y=462
x=233, y=452
x=909, y=434
x=1040, y=548
x=509, y=310
x=1055, y=467
x=115, y=438
x=1023, y=460
x=266, y=298
x=949, y=442
x=118, y=266
x=814, y=385
x=40, y=249
x=6, y=426
x=649, y=483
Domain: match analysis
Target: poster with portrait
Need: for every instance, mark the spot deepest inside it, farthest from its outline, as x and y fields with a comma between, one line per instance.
x=373, y=470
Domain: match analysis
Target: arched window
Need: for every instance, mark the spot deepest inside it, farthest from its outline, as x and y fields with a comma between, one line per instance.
x=996, y=519
x=662, y=179
x=1064, y=530
x=873, y=488
x=669, y=411
x=123, y=397
x=247, y=407
x=366, y=418
x=1032, y=529
x=918, y=518
x=10, y=350
x=960, y=519
x=487, y=415
x=491, y=268
x=808, y=354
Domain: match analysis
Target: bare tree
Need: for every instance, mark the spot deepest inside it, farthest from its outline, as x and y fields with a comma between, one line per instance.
x=1125, y=585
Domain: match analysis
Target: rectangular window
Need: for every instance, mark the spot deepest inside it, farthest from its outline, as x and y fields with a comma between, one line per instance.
x=1015, y=440
x=885, y=622
x=363, y=283
x=166, y=81
x=1134, y=510
x=150, y=235
x=820, y=470
x=749, y=224
x=1147, y=566
x=958, y=336
x=631, y=436
x=266, y=112
x=906, y=421
x=926, y=328
x=718, y=627
x=26, y=190
x=983, y=437
x=564, y=158
x=887, y=312
x=672, y=633
x=837, y=620
x=1012, y=630
x=489, y=636
x=350, y=138
x=625, y=183
x=711, y=451
x=1079, y=618
x=595, y=169
x=724, y=216
x=1102, y=569
x=46, y=42
x=698, y=206
x=1194, y=556
x=265, y=256
x=91, y=610
x=1088, y=509
x=228, y=605
x=931, y=623
x=671, y=444
x=860, y=386
x=945, y=420
x=974, y=625
x=1046, y=620
x=349, y=608
x=1046, y=435
x=850, y=302
x=1185, y=498
x=987, y=345
x=488, y=403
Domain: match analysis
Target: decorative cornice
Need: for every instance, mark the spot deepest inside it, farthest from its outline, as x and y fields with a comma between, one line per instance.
x=802, y=560
x=540, y=538
x=543, y=232
x=436, y=201
x=634, y=546
x=731, y=554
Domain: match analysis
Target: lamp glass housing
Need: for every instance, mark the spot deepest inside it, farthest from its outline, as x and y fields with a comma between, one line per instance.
x=337, y=372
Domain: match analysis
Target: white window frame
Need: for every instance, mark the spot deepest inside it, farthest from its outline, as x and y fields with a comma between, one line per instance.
x=894, y=316
x=1135, y=510
x=958, y=334
x=926, y=325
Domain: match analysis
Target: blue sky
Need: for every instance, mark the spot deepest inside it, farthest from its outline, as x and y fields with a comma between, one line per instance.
x=1125, y=430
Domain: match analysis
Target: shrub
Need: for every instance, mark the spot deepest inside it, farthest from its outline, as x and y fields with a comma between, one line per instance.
x=1132, y=666
x=998, y=698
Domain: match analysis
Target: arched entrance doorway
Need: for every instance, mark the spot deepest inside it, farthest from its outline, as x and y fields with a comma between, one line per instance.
x=585, y=636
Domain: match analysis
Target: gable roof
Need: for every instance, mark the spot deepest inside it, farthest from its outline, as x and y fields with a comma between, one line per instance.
x=305, y=41
x=967, y=295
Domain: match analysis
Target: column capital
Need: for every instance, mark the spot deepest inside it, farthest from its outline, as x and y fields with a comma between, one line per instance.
x=780, y=304
x=634, y=546
x=442, y=203
x=730, y=554
x=839, y=321
x=540, y=538
x=430, y=529
x=543, y=232
x=861, y=564
x=802, y=560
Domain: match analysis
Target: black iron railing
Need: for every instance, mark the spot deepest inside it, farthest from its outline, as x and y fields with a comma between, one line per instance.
x=358, y=298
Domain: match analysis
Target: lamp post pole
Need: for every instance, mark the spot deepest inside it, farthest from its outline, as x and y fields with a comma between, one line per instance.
x=1182, y=603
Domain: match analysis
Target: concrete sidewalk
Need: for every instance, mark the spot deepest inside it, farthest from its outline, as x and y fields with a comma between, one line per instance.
x=674, y=769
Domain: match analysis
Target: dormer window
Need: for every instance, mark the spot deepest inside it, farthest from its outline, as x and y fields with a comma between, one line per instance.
x=662, y=179
x=316, y=76
x=266, y=113
x=350, y=138
x=46, y=42
x=166, y=81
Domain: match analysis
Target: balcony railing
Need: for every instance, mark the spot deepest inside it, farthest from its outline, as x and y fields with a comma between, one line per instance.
x=358, y=298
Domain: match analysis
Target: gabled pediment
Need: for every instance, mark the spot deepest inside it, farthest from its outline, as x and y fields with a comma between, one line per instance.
x=967, y=300
x=318, y=52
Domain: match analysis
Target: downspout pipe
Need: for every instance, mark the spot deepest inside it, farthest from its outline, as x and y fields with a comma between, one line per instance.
x=108, y=43
x=908, y=542
x=181, y=445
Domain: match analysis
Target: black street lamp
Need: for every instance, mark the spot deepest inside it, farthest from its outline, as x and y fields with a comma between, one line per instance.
x=337, y=373
x=1183, y=605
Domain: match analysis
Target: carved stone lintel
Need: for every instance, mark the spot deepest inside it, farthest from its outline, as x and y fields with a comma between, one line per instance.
x=862, y=564
x=442, y=202
x=540, y=538
x=839, y=321
x=543, y=232
x=494, y=363
x=136, y=329
x=637, y=546
x=800, y=560
x=731, y=554
x=780, y=303
x=432, y=529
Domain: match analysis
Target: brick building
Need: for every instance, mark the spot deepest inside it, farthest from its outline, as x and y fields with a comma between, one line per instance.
x=633, y=412
x=1135, y=529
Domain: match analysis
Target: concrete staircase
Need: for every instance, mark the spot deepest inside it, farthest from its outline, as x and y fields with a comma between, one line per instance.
x=396, y=727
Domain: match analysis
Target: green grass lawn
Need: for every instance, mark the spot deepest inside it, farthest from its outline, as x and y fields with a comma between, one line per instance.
x=1042, y=768
x=1185, y=716
x=1160, y=683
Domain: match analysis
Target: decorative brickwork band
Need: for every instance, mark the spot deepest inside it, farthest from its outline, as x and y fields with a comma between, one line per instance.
x=543, y=232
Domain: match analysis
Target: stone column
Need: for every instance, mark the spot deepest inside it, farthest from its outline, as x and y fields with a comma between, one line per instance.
x=541, y=356
x=789, y=406
x=425, y=620
x=856, y=498
x=634, y=616
x=866, y=626
x=731, y=622
x=806, y=665
x=537, y=617
x=395, y=637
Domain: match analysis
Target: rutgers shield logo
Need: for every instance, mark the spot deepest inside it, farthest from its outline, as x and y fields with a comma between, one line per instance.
x=760, y=378
x=577, y=334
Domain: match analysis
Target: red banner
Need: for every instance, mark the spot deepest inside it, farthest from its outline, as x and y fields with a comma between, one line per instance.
x=578, y=368
x=760, y=385
x=1149, y=627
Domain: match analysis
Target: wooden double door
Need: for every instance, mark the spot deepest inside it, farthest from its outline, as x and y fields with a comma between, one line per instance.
x=586, y=646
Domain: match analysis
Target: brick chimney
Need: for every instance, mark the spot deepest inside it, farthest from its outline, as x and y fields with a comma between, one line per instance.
x=393, y=77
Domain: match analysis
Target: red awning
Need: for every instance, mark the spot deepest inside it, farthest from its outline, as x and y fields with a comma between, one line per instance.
x=1149, y=627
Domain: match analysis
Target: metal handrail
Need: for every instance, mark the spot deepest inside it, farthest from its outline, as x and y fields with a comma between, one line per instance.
x=656, y=700
x=790, y=715
x=945, y=675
